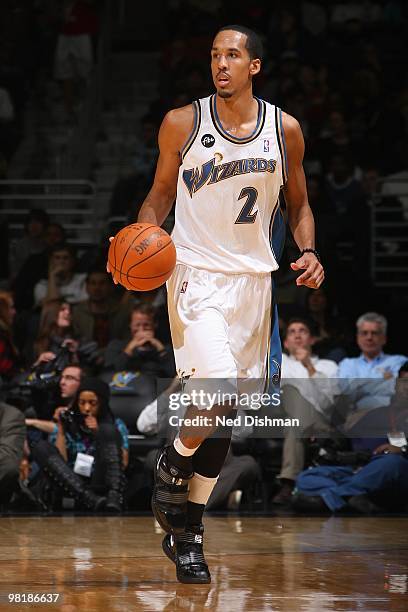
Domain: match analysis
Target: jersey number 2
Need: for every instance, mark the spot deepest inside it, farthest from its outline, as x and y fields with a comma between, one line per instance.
x=246, y=215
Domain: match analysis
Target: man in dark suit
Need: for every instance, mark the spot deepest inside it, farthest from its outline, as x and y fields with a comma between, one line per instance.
x=12, y=435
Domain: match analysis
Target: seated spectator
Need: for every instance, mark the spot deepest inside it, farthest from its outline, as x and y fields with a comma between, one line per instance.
x=32, y=242
x=56, y=330
x=333, y=488
x=368, y=432
x=91, y=449
x=380, y=485
x=12, y=434
x=157, y=299
x=368, y=381
x=135, y=366
x=308, y=391
x=59, y=338
x=36, y=267
x=101, y=317
x=62, y=281
x=143, y=352
x=149, y=422
x=331, y=334
x=68, y=386
x=9, y=359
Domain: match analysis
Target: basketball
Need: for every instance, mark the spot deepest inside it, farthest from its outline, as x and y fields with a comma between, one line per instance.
x=141, y=256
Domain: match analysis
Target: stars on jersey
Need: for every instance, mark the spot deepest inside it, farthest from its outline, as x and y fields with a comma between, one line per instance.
x=210, y=173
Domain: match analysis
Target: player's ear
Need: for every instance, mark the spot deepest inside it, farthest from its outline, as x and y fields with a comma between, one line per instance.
x=254, y=67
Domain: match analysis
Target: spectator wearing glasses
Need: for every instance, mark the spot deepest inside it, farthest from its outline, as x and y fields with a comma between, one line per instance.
x=68, y=387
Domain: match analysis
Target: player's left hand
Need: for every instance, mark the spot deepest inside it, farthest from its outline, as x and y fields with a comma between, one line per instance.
x=313, y=276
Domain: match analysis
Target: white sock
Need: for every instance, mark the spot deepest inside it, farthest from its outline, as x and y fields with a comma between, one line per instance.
x=200, y=488
x=183, y=450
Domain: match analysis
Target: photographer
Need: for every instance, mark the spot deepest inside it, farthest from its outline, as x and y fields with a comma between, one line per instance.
x=88, y=449
x=38, y=390
x=68, y=386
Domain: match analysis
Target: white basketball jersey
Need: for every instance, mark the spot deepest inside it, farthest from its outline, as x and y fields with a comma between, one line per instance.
x=228, y=193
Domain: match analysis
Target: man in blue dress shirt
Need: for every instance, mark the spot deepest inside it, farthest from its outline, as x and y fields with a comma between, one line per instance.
x=368, y=381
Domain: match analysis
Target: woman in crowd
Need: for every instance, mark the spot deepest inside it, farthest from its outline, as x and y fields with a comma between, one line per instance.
x=56, y=330
x=88, y=450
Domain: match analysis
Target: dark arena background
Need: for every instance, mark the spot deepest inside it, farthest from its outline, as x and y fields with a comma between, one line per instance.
x=308, y=519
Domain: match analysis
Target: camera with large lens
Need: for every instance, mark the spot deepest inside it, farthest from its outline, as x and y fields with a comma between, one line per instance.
x=45, y=376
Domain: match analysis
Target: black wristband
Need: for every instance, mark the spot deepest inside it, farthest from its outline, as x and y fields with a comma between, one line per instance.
x=315, y=253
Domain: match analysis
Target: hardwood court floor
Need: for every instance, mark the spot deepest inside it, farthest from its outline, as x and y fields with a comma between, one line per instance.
x=258, y=564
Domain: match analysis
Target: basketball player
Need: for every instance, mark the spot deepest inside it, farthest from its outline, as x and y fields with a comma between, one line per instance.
x=225, y=159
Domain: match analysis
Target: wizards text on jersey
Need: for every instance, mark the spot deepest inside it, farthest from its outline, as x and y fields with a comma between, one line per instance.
x=194, y=179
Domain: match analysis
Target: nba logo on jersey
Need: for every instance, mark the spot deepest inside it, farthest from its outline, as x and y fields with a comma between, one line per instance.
x=266, y=146
x=184, y=287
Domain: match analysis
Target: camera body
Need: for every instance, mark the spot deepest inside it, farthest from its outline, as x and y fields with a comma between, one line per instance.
x=46, y=376
x=39, y=387
x=74, y=423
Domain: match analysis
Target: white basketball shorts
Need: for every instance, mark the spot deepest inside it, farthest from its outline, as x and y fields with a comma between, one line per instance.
x=220, y=323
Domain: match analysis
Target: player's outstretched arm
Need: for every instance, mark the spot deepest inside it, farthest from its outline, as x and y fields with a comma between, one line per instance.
x=173, y=134
x=300, y=215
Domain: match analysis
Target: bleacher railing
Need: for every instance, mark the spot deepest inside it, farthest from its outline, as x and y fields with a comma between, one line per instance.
x=389, y=233
x=69, y=202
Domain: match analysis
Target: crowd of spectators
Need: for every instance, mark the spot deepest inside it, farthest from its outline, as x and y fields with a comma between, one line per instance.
x=80, y=358
x=42, y=40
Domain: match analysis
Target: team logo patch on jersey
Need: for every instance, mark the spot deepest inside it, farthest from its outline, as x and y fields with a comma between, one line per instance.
x=208, y=140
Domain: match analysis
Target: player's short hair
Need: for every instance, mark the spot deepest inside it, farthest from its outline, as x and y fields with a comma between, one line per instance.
x=373, y=317
x=253, y=44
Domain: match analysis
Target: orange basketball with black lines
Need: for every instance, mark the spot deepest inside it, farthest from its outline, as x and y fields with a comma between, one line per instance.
x=141, y=256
